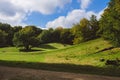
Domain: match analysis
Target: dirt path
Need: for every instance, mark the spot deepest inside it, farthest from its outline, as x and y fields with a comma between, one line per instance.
x=11, y=73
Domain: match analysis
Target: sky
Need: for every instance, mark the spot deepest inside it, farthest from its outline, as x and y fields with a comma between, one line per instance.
x=49, y=13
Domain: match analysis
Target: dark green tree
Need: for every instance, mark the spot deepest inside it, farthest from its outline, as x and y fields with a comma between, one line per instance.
x=9, y=30
x=3, y=36
x=26, y=38
x=56, y=34
x=17, y=28
x=66, y=36
x=45, y=36
x=94, y=27
x=110, y=23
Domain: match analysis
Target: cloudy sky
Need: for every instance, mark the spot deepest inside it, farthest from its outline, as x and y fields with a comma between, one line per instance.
x=49, y=13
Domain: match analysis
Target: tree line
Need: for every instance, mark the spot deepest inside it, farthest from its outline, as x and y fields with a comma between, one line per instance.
x=107, y=27
x=32, y=36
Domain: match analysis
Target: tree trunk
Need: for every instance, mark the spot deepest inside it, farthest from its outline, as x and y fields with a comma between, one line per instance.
x=27, y=48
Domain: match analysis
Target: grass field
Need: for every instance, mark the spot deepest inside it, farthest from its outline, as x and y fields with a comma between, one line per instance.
x=69, y=58
x=13, y=53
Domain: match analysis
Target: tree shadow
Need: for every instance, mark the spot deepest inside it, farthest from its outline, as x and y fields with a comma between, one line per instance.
x=105, y=49
x=84, y=69
x=31, y=50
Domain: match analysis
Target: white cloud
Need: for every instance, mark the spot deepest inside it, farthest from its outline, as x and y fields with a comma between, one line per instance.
x=73, y=17
x=42, y=6
x=15, y=11
x=84, y=3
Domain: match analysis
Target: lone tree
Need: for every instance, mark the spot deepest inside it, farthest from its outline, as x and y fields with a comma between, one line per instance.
x=110, y=23
x=26, y=37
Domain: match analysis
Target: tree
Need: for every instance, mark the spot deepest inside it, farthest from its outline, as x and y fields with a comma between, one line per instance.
x=94, y=26
x=9, y=30
x=26, y=37
x=56, y=34
x=17, y=28
x=110, y=23
x=45, y=36
x=66, y=36
x=81, y=31
x=2, y=38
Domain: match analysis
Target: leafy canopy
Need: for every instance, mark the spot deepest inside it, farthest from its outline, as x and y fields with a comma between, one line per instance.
x=110, y=23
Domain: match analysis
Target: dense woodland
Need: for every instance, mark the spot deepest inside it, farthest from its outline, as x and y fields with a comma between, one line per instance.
x=108, y=27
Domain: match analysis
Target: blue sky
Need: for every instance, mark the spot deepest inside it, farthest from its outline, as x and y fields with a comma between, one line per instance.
x=49, y=13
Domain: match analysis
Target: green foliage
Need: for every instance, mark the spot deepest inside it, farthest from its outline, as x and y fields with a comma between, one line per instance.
x=66, y=36
x=17, y=28
x=3, y=36
x=9, y=30
x=94, y=25
x=56, y=35
x=85, y=30
x=109, y=23
x=26, y=37
x=81, y=31
x=45, y=36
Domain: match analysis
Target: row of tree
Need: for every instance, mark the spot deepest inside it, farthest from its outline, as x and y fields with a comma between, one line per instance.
x=85, y=30
x=31, y=36
x=107, y=27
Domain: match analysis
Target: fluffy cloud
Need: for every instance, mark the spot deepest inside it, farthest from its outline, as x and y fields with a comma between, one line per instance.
x=10, y=13
x=84, y=3
x=67, y=21
x=15, y=11
x=42, y=6
x=74, y=16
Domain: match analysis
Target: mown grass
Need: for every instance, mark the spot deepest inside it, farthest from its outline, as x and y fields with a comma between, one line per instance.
x=82, y=58
x=13, y=53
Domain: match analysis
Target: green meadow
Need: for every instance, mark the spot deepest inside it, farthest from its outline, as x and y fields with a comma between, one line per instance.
x=70, y=58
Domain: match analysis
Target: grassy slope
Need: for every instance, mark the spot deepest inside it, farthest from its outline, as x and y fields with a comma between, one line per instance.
x=85, y=53
x=13, y=54
x=82, y=58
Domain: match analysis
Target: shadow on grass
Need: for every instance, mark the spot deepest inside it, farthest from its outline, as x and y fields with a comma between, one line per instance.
x=31, y=50
x=45, y=46
x=84, y=69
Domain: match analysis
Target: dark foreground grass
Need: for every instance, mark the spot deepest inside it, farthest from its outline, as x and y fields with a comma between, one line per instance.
x=84, y=69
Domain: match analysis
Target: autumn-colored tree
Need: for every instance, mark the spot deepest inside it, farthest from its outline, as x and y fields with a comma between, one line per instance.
x=81, y=31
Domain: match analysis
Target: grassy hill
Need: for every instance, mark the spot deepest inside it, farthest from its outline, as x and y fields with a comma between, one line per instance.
x=88, y=53
x=13, y=53
x=83, y=58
